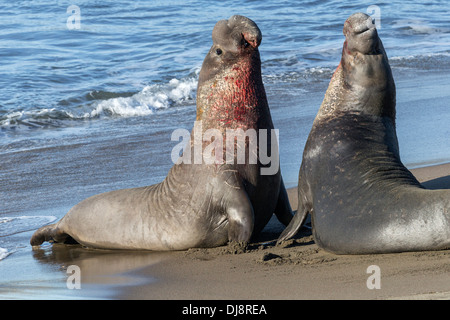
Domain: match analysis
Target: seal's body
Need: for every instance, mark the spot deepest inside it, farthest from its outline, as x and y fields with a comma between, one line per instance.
x=198, y=204
x=361, y=197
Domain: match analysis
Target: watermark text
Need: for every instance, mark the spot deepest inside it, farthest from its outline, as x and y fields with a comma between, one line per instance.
x=239, y=146
x=374, y=280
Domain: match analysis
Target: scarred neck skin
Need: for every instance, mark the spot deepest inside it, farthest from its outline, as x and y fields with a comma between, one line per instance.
x=234, y=97
x=232, y=106
x=363, y=78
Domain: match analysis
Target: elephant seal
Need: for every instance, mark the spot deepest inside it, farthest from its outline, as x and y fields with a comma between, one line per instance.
x=361, y=198
x=197, y=204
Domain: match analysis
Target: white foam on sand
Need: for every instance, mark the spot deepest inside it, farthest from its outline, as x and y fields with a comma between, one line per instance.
x=4, y=253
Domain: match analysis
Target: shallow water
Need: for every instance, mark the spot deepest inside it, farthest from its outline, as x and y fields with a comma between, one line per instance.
x=89, y=110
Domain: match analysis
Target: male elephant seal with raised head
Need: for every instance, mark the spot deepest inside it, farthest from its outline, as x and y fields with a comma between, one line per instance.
x=360, y=196
x=203, y=203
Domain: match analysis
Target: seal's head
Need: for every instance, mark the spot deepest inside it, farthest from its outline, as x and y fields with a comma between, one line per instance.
x=361, y=35
x=234, y=40
x=365, y=66
x=230, y=88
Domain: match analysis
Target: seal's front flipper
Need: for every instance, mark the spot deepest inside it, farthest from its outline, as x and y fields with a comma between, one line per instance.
x=283, y=210
x=240, y=217
x=50, y=233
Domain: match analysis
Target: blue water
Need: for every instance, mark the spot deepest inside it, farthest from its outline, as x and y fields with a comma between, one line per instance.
x=50, y=73
x=88, y=110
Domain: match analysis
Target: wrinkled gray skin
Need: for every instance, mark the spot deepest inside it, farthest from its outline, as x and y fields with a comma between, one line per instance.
x=361, y=198
x=197, y=205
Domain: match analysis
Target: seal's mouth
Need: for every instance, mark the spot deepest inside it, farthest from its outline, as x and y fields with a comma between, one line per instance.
x=361, y=35
x=366, y=32
x=358, y=23
x=360, y=27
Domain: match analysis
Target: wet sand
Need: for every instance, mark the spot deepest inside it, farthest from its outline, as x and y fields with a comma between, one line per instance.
x=298, y=269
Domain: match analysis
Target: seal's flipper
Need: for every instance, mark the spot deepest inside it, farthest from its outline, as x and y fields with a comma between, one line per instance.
x=293, y=227
x=50, y=233
x=240, y=217
x=304, y=208
x=283, y=210
x=299, y=218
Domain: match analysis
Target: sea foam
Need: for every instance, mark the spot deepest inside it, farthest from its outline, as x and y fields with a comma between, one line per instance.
x=4, y=253
x=143, y=103
x=148, y=100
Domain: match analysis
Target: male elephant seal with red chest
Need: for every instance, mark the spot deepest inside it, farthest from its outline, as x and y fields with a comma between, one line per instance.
x=360, y=196
x=198, y=204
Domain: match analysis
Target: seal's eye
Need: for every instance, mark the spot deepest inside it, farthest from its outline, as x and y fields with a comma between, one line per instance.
x=219, y=52
x=246, y=44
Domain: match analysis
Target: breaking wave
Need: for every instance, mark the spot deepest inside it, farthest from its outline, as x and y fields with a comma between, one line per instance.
x=143, y=103
x=419, y=27
x=147, y=101
x=430, y=61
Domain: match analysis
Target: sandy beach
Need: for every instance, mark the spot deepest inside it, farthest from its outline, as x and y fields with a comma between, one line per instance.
x=298, y=269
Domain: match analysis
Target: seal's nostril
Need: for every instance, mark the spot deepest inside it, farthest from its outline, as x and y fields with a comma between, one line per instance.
x=250, y=40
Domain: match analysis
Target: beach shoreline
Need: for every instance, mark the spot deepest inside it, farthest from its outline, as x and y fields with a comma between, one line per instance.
x=298, y=269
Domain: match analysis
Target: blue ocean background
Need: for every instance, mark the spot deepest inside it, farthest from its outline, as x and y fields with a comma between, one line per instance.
x=89, y=106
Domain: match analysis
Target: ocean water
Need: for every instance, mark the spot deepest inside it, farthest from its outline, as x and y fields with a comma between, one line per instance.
x=89, y=95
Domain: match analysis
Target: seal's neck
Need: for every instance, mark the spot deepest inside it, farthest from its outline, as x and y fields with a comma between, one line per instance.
x=361, y=84
x=234, y=98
